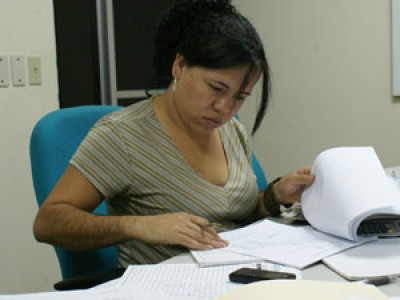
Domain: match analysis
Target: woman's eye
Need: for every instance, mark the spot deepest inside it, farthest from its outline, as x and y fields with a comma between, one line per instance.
x=240, y=98
x=216, y=88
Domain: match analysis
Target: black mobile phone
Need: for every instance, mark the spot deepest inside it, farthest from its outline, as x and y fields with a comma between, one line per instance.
x=248, y=275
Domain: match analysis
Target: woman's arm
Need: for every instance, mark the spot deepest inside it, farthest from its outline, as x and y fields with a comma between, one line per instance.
x=65, y=220
x=283, y=191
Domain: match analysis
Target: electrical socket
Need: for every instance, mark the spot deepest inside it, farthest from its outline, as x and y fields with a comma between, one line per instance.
x=18, y=70
x=4, y=77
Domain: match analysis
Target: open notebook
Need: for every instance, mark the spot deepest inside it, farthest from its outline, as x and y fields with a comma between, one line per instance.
x=370, y=260
x=352, y=197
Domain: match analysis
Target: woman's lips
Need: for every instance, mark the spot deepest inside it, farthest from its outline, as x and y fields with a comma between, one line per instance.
x=213, y=122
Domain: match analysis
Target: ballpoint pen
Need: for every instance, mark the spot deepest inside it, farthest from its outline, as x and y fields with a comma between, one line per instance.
x=211, y=224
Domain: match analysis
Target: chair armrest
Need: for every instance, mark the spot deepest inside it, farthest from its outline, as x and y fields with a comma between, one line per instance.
x=88, y=281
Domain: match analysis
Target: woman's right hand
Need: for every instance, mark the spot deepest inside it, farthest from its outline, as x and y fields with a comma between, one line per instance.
x=175, y=229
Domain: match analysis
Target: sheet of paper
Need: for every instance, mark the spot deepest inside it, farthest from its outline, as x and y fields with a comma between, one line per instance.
x=374, y=259
x=91, y=294
x=184, y=281
x=215, y=257
x=284, y=244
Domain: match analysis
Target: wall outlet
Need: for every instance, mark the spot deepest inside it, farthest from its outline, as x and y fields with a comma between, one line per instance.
x=18, y=70
x=34, y=70
x=4, y=75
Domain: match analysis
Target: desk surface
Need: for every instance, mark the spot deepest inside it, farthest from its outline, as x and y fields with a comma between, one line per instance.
x=316, y=272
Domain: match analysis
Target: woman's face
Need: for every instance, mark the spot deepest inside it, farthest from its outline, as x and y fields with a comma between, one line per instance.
x=205, y=99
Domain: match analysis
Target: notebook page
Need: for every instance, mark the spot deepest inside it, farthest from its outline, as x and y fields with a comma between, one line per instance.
x=284, y=244
x=183, y=281
x=90, y=294
x=215, y=257
x=374, y=259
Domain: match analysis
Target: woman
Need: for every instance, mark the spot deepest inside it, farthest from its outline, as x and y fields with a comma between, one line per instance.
x=171, y=164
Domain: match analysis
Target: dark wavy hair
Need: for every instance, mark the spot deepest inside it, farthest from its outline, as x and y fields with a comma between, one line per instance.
x=211, y=34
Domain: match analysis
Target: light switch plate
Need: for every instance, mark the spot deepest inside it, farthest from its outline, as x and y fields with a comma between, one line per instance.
x=4, y=73
x=34, y=70
x=18, y=70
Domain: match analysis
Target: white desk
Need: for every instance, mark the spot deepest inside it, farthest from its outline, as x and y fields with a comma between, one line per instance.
x=316, y=272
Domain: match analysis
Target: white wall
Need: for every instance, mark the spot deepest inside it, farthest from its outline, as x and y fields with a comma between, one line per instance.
x=28, y=30
x=331, y=85
x=331, y=80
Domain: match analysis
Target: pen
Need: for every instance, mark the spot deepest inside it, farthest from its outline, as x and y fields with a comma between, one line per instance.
x=211, y=224
x=381, y=280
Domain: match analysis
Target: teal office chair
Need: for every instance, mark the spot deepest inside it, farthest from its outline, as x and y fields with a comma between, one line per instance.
x=258, y=171
x=54, y=140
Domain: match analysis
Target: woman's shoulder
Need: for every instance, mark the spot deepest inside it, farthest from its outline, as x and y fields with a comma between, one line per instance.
x=132, y=118
x=130, y=115
x=133, y=112
x=235, y=127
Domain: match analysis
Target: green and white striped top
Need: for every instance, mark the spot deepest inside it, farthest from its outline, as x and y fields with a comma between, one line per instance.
x=131, y=160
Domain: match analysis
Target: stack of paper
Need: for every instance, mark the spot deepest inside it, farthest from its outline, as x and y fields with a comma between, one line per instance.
x=161, y=282
x=350, y=186
x=297, y=247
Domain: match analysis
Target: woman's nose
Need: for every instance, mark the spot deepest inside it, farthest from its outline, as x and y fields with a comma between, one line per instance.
x=223, y=104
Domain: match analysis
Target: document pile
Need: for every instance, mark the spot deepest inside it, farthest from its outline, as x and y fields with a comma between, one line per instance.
x=267, y=240
x=351, y=189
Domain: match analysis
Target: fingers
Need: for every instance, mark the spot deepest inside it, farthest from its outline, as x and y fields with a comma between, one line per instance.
x=204, y=236
x=203, y=242
x=290, y=187
x=304, y=179
x=301, y=176
x=304, y=171
x=183, y=229
x=216, y=241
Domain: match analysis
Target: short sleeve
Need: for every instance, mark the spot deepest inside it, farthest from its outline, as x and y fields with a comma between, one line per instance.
x=102, y=159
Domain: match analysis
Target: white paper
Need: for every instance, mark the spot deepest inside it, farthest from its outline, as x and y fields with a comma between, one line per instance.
x=184, y=281
x=215, y=257
x=350, y=185
x=374, y=259
x=91, y=294
x=161, y=282
x=284, y=244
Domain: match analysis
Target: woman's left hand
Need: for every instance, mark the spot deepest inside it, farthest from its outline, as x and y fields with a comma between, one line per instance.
x=288, y=190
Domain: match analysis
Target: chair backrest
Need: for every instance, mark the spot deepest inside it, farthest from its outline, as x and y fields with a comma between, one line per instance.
x=54, y=140
x=258, y=171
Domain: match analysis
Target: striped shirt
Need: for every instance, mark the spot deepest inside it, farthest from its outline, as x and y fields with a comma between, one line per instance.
x=131, y=160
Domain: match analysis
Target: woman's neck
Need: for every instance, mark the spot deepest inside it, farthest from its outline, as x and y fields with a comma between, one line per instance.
x=168, y=116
